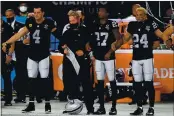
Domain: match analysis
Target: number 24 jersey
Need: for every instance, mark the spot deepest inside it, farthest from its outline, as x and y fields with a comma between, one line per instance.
x=143, y=37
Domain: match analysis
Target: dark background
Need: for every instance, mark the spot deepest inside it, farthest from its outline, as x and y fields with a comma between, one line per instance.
x=59, y=11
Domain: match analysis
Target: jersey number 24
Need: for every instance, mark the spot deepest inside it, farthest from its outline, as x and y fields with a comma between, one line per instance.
x=140, y=41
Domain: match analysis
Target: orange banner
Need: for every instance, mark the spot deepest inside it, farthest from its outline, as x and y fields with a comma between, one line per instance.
x=163, y=68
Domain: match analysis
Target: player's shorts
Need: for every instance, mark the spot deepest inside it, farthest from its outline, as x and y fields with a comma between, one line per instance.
x=103, y=67
x=143, y=70
x=34, y=67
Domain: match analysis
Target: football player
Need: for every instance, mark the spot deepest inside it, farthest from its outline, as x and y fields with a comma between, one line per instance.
x=104, y=33
x=141, y=31
x=40, y=29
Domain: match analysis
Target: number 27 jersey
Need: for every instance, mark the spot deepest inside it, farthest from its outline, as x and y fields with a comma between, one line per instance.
x=143, y=37
x=39, y=37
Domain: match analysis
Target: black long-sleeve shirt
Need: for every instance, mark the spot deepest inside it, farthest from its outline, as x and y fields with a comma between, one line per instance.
x=75, y=37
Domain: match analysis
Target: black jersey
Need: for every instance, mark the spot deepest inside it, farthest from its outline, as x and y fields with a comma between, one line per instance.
x=6, y=32
x=39, y=38
x=102, y=39
x=143, y=37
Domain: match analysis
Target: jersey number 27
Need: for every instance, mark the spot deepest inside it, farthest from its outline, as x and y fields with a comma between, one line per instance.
x=36, y=36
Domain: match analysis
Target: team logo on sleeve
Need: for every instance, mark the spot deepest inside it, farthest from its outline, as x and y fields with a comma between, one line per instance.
x=55, y=24
x=30, y=25
x=46, y=26
x=107, y=27
x=147, y=28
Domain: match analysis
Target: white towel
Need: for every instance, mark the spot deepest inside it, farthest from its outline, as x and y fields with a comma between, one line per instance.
x=72, y=58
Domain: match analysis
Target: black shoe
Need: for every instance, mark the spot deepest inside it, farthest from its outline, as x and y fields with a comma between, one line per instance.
x=100, y=111
x=131, y=103
x=138, y=111
x=64, y=112
x=7, y=104
x=29, y=108
x=150, y=112
x=90, y=112
x=19, y=100
x=113, y=111
x=47, y=108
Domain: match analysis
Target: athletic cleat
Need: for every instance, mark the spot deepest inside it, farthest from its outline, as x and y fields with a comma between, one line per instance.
x=90, y=113
x=100, y=111
x=150, y=112
x=138, y=111
x=7, y=104
x=113, y=111
x=29, y=108
x=47, y=108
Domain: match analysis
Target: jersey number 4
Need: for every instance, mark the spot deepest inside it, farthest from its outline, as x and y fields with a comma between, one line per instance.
x=143, y=41
x=36, y=36
x=99, y=36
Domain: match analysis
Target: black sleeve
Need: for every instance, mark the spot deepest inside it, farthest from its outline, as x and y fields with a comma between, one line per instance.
x=62, y=41
x=114, y=25
x=92, y=40
x=57, y=33
x=130, y=28
x=29, y=23
x=154, y=25
x=53, y=24
x=18, y=26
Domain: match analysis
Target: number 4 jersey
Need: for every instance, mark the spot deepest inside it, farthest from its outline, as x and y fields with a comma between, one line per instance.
x=143, y=37
x=102, y=39
x=39, y=38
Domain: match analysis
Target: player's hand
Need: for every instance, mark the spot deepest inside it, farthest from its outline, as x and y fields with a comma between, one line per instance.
x=107, y=56
x=31, y=14
x=4, y=47
x=8, y=59
x=88, y=48
x=26, y=41
x=113, y=46
x=66, y=51
x=79, y=53
x=93, y=58
x=64, y=46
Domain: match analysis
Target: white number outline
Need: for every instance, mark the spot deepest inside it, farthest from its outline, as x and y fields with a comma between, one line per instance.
x=99, y=34
x=143, y=40
x=36, y=36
